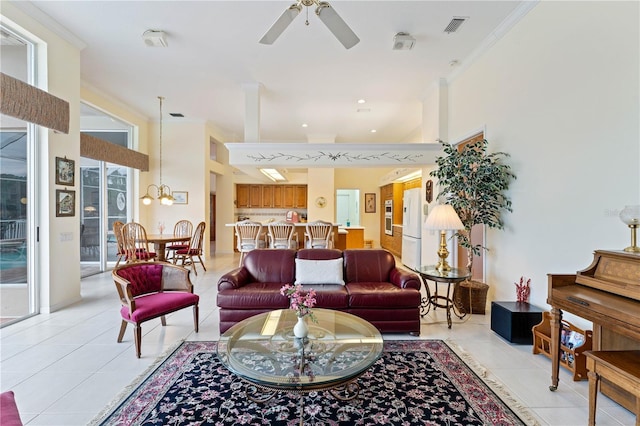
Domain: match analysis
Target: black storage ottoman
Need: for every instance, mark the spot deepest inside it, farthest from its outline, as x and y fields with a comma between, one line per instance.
x=514, y=320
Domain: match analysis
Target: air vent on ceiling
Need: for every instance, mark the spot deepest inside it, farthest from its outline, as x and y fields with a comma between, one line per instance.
x=176, y=114
x=454, y=25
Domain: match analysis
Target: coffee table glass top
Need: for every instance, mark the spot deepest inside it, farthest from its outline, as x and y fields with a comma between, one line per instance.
x=263, y=350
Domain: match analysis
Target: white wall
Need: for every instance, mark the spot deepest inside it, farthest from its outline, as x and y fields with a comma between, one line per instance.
x=560, y=94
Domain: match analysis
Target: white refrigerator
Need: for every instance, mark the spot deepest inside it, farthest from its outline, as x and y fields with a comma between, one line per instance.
x=412, y=228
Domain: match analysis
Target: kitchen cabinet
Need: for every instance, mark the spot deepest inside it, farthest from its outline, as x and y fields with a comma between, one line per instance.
x=255, y=195
x=242, y=196
x=278, y=196
x=355, y=238
x=295, y=196
x=271, y=196
x=300, y=199
x=267, y=195
x=288, y=196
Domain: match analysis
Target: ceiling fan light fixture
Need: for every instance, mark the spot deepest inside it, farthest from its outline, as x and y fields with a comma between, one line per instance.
x=336, y=25
x=403, y=41
x=325, y=13
x=281, y=24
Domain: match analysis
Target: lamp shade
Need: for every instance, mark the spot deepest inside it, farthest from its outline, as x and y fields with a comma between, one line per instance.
x=443, y=217
x=630, y=215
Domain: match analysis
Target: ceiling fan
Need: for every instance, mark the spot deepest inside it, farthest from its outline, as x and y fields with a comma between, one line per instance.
x=327, y=15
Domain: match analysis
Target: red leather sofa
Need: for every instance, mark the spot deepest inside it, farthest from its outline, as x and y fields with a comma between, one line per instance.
x=374, y=289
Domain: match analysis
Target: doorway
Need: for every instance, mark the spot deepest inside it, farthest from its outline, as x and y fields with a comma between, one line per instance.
x=348, y=207
x=477, y=232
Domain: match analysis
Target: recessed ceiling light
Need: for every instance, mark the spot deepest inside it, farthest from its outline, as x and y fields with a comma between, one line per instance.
x=373, y=130
x=361, y=101
x=305, y=125
x=273, y=174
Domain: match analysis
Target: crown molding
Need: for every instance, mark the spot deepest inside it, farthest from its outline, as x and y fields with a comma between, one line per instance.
x=505, y=26
x=48, y=22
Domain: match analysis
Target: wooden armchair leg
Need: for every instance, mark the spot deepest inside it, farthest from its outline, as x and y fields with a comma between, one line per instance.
x=123, y=328
x=137, y=334
x=202, y=263
x=163, y=320
x=196, y=317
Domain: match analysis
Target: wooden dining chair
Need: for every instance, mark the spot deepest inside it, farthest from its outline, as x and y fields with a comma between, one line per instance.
x=249, y=236
x=136, y=245
x=193, y=252
x=319, y=234
x=182, y=228
x=282, y=235
x=117, y=232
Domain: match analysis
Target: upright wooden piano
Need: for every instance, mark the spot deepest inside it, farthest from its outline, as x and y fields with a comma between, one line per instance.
x=608, y=294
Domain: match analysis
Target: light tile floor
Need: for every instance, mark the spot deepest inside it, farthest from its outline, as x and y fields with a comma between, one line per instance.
x=66, y=367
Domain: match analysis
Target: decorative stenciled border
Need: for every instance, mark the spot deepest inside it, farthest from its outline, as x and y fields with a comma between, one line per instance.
x=335, y=156
x=332, y=154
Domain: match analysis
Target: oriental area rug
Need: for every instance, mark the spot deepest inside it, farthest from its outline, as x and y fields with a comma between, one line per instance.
x=417, y=382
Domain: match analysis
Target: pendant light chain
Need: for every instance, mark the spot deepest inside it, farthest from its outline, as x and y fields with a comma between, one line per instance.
x=161, y=98
x=164, y=192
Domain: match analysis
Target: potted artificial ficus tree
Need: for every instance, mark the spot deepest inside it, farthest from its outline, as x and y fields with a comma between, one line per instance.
x=474, y=182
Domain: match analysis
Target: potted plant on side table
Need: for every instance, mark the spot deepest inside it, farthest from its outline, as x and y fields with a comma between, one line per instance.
x=474, y=182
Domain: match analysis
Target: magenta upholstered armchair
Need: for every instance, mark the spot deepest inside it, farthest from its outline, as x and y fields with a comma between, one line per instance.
x=152, y=290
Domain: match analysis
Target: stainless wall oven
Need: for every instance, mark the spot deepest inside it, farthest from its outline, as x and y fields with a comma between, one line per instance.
x=388, y=217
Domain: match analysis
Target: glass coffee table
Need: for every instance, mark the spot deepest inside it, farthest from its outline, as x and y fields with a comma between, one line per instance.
x=263, y=351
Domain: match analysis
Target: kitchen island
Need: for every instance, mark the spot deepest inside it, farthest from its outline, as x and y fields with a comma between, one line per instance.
x=300, y=229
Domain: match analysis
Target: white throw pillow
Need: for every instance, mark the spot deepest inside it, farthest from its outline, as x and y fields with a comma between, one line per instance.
x=319, y=271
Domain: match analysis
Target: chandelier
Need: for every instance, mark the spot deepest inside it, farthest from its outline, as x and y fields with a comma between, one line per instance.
x=164, y=192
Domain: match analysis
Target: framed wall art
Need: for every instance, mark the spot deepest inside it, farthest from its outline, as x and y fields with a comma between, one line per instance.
x=65, y=172
x=65, y=203
x=180, y=197
x=370, y=202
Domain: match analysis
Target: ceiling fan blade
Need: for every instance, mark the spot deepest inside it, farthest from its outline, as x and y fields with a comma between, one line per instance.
x=281, y=24
x=336, y=25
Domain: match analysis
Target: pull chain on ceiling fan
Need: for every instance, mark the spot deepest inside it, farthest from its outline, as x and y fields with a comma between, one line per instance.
x=327, y=15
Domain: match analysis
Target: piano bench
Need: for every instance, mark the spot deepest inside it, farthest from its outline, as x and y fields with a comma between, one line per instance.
x=514, y=320
x=619, y=367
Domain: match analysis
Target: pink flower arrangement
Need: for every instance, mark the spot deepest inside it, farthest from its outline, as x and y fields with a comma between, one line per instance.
x=299, y=302
x=523, y=290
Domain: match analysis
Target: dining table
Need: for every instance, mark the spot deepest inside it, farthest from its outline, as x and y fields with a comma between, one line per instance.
x=160, y=242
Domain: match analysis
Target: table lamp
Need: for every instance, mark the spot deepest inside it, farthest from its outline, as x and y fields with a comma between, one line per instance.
x=631, y=216
x=444, y=218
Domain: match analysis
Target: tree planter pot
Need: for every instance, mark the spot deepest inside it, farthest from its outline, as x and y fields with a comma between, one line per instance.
x=472, y=296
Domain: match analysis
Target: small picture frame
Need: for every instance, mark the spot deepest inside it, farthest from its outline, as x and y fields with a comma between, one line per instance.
x=370, y=202
x=180, y=197
x=65, y=203
x=65, y=172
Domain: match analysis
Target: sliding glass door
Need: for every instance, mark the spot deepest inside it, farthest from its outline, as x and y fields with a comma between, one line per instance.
x=18, y=191
x=104, y=193
x=103, y=200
